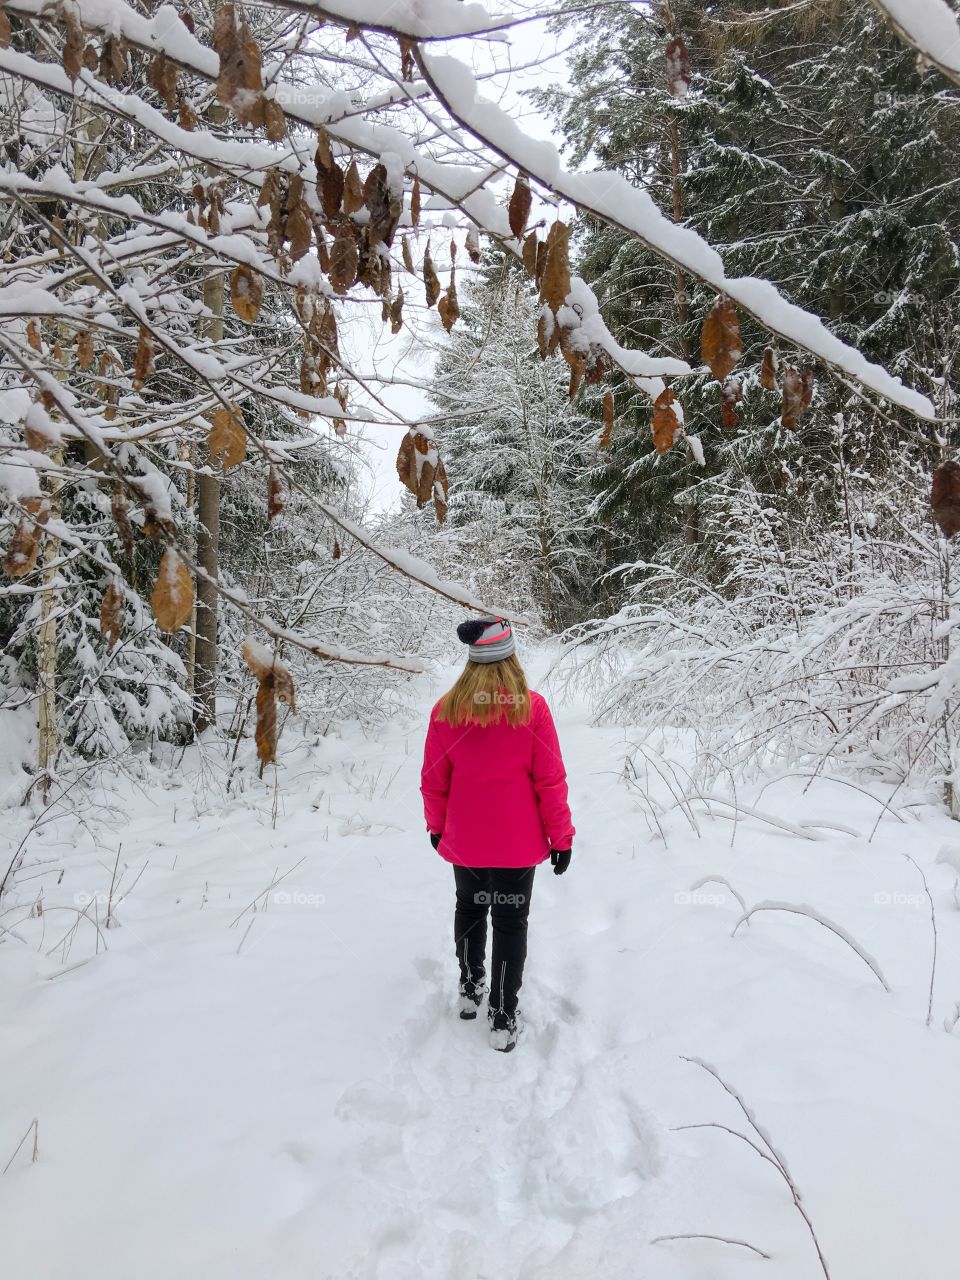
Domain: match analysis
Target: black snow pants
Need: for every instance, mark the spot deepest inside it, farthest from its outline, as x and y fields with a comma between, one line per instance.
x=504, y=892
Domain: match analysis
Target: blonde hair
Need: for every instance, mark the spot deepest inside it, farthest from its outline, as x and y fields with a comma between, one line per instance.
x=486, y=692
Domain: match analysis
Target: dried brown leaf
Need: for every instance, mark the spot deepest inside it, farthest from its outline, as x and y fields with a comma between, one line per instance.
x=246, y=292
x=666, y=425
x=768, y=369
x=430, y=278
x=111, y=613
x=519, y=209
x=608, y=419
x=143, y=364
x=720, y=346
x=227, y=440
x=276, y=494
x=555, y=284
x=797, y=393
x=172, y=598
x=344, y=259
x=449, y=307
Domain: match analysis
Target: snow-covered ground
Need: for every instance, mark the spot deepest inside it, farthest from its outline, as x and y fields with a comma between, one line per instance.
x=258, y=1081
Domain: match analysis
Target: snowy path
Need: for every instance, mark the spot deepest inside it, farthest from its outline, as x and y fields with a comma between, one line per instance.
x=300, y=1100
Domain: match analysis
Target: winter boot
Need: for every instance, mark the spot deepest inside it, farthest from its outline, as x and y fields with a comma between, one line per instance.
x=504, y=1029
x=471, y=997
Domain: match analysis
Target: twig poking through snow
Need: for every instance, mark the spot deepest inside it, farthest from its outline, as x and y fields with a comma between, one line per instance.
x=801, y=909
x=933, y=925
x=702, y=1235
x=774, y=1157
x=35, y=1126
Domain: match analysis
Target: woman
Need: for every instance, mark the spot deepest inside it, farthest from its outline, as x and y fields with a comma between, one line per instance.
x=495, y=800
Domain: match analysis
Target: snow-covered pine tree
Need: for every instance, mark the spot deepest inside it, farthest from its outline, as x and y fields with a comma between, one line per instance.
x=519, y=447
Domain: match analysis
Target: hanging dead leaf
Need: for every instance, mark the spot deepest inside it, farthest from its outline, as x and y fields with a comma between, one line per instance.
x=240, y=81
x=666, y=425
x=545, y=331
x=113, y=60
x=143, y=364
x=73, y=43
x=415, y=203
x=337, y=551
x=407, y=255
x=299, y=224
x=227, y=440
x=720, y=346
x=266, y=665
x=246, y=292
x=440, y=492
x=396, y=313
x=265, y=734
x=121, y=517
x=324, y=155
x=6, y=34
x=34, y=340
x=85, y=348
x=945, y=498
x=186, y=115
x=530, y=255
x=344, y=259
x=330, y=189
x=21, y=557
x=162, y=78
x=418, y=465
x=172, y=598
x=678, y=67
x=797, y=393
x=383, y=204
x=430, y=278
x=768, y=369
x=276, y=495
x=472, y=244
x=519, y=209
x=407, y=65
x=449, y=307
x=352, y=189
x=274, y=120
x=730, y=395
x=555, y=284
x=608, y=419
x=111, y=613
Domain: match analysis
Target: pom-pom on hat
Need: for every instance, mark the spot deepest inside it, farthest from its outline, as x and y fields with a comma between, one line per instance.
x=489, y=639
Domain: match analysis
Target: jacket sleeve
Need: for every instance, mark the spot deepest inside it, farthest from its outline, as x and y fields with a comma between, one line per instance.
x=550, y=779
x=435, y=777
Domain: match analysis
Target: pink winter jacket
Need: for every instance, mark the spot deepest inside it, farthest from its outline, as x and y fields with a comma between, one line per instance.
x=497, y=792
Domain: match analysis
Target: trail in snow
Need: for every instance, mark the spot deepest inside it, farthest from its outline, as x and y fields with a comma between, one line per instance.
x=231, y=1092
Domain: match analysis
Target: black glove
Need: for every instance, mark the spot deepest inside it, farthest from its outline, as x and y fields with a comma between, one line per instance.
x=560, y=858
x=435, y=837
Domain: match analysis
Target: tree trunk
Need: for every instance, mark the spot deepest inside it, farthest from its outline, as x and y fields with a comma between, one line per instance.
x=208, y=552
x=47, y=740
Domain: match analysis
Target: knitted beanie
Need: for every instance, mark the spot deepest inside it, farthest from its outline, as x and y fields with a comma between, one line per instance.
x=489, y=639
